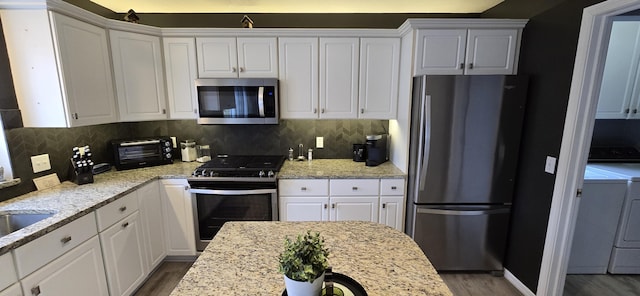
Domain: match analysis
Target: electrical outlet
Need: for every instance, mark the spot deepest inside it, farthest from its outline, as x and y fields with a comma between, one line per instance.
x=47, y=181
x=40, y=163
x=319, y=142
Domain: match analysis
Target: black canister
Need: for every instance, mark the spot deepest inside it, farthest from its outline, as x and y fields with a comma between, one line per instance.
x=359, y=152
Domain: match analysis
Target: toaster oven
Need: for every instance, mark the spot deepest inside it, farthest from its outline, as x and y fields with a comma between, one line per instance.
x=145, y=152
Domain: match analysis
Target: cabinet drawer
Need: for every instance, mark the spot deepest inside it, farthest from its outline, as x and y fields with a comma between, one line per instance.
x=346, y=187
x=44, y=249
x=304, y=187
x=392, y=187
x=116, y=210
x=7, y=272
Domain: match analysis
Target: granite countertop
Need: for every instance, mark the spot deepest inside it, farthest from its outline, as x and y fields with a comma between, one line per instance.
x=337, y=169
x=70, y=201
x=242, y=259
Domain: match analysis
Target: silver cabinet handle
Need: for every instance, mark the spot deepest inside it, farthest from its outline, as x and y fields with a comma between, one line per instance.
x=461, y=65
x=241, y=69
x=322, y=110
x=186, y=187
x=65, y=239
x=362, y=111
x=384, y=205
x=333, y=206
x=394, y=187
x=315, y=110
x=125, y=224
x=75, y=115
x=470, y=65
x=303, y=188
x=123, y=208
x=354, y=188
x=233, y=69
x=35, y=290
x=325, y=206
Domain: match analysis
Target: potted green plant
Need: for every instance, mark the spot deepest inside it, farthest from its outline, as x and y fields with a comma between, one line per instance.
x=303, y=262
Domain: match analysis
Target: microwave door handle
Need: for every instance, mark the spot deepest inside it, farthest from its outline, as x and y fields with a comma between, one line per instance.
x=261, y=100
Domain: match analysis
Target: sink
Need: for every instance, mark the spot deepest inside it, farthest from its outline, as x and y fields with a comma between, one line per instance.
x=14, y=221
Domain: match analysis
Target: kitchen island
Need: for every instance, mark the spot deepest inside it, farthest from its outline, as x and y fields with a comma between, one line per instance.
x=242, y=259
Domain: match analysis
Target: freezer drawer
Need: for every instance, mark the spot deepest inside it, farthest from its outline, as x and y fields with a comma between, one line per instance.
x=462, y=237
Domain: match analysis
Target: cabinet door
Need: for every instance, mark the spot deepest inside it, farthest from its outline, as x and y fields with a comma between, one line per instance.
x=304, y=208
x=391, y=208
x=181, y=70
x=178, y=218
x=353, y=208
x=150, y=205
x=491, y=51
x=339, y=61
x=440, y=51
x=257, y=57
x=8, y=274
x=137, y=67
x=124, y=255
x=298, y=77
x=379, y=70
x=85, y=71
x=619, y=78
x=77, y=272
x=13, y=290
x=217, y=57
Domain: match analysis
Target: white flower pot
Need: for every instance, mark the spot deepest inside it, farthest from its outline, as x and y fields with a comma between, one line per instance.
x=297, y=288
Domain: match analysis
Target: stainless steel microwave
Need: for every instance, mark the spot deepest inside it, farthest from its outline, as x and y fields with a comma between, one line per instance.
x=237, y=101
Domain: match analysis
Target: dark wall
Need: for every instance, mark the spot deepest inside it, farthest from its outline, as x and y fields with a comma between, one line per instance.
x=548, y=53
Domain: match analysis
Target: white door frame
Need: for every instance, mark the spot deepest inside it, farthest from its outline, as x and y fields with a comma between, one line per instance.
x=576, y=139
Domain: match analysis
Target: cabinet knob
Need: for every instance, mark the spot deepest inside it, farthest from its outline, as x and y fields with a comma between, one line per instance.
x=354, y=188
x=65, y=239
x=362, y=111
x=186, y=187
x=635, y=111
x=315, y=110
x=394, y=187
x=125, y=224
x=303, y=188
x=470, y=65
x=333, y=206
x=233, y=69
x=75, y=116
x=626, y=110
x=461, y=65
x=35, y=290
x=322, y=110
x=123, y=208
x=164, y=111
x=384, y=205
x=241, y=69
x=325, y=206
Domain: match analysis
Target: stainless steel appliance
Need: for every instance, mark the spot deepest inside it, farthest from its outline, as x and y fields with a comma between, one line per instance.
x=233, y=188
x=142, y=152
x=237, y=101
x=465, y=139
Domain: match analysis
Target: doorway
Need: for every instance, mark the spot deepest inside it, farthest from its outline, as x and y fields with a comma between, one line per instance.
x=579, y=122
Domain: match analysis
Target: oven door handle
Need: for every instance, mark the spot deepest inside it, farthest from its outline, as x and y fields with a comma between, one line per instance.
x=232, y=192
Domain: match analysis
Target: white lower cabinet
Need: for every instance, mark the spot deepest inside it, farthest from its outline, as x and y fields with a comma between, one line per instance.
x=8, y=271
x=178, y=217
x=150, y=208
x=13, y=290
x=78, y=272
x=342, y=200
x=124, y=255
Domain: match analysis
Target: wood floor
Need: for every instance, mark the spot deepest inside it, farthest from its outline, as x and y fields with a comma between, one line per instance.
x=480, y=284
x=164, y=279
x=591, y=285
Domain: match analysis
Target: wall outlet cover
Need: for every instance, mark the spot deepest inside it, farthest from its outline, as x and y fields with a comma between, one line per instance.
x=550, y=165
x=319, y=142
x=47, y=181
x=40, y=163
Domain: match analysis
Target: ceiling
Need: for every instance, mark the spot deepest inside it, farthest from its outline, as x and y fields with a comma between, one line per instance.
x=297, y=6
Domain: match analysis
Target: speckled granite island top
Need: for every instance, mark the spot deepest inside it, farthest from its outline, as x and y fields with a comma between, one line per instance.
x=337, y=169
x=242, y=260
x=70, y=201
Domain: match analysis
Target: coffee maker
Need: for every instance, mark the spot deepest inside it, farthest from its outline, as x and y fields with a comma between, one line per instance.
x=377, y=149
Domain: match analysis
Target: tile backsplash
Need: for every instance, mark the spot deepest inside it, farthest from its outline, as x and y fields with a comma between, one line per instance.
x=339, y=135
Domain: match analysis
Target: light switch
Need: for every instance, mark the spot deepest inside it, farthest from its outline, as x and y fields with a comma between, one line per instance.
x=40, y=163
x=550, y=165
x=319, y=142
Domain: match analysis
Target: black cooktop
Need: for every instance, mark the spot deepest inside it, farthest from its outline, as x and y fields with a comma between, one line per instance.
x=241, y=166
x=614, y=154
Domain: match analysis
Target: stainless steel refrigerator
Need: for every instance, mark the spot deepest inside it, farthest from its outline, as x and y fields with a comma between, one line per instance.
x=465, y=138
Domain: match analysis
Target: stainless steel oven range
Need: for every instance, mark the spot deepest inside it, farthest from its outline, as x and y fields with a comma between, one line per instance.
x=233, y=188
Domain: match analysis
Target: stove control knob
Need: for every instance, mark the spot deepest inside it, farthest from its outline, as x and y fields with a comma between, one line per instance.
x=271, y=174
x=196, y=173
x=168, y=155
x=261, y=174
x=203, y=173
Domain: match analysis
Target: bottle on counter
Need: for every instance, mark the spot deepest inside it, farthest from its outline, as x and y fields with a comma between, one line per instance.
x=290, y=154
x=310, y=154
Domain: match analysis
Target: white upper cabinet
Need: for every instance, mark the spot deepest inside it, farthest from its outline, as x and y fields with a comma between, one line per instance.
x=298, y=77
x=466, y=51
x=181, y=71
x=60, y=67
x=252, y=57
x=137, y=65
x=379, y=70
x=620, y=88
x=339, y=60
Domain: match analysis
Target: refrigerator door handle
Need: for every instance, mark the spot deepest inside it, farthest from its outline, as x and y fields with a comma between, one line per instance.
x=425, y=135
x=463, y=213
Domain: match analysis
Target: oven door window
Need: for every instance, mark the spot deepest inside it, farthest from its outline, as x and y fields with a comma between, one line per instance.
x=236, y=101
x=215, y=210
x=136, y=154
